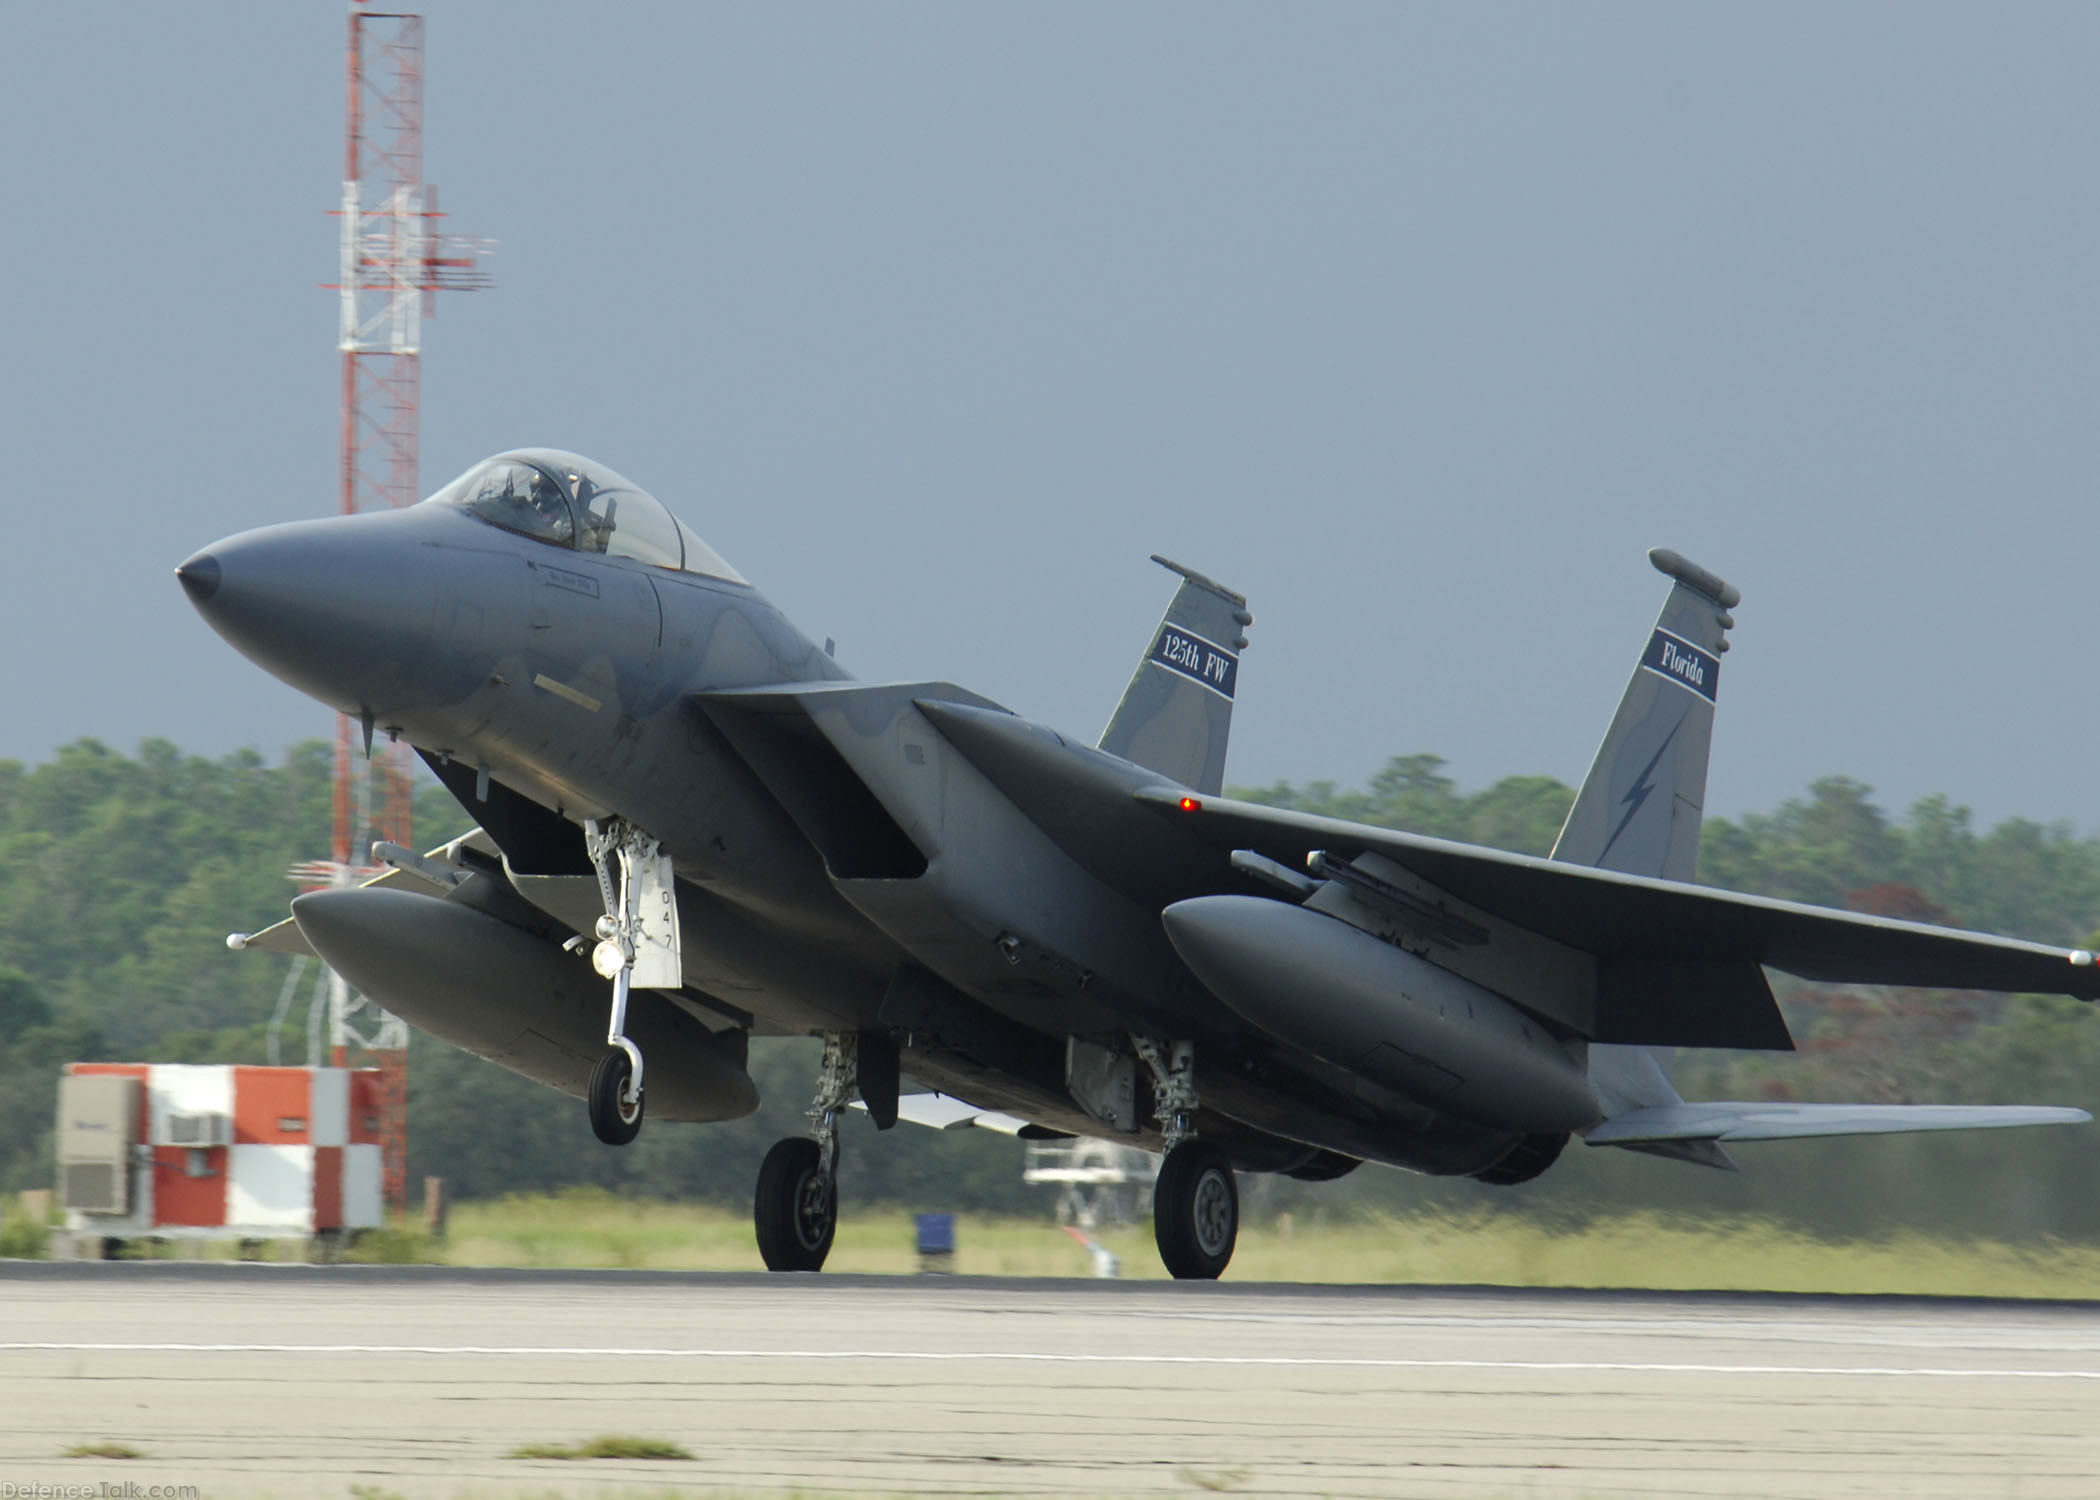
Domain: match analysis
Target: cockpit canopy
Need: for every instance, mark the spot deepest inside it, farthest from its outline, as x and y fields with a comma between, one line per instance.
x=567, y=501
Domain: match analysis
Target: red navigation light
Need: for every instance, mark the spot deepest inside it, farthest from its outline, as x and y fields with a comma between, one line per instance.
x=1190, y=804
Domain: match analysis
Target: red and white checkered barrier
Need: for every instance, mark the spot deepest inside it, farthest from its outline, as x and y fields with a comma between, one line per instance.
x=250, y=1151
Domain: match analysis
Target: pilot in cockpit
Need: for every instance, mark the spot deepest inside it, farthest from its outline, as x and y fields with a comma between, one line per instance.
x=524, y=492
x=549, y=504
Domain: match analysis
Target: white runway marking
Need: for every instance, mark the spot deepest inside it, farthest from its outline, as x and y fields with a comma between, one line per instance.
x=1023, y=1356
x=1935, y=1335
x=257, y=1384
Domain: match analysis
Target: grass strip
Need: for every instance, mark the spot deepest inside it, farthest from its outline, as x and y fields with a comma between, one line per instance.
x=608, y=1445
x=592, y=1229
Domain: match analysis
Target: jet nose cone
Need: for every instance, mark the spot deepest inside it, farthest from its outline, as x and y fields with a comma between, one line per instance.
x=342, y=609
x=200, y=577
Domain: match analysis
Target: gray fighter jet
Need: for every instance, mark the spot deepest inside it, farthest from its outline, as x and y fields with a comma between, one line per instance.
x=694, y=826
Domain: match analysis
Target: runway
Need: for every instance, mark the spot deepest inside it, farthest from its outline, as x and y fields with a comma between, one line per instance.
x=295, y=1381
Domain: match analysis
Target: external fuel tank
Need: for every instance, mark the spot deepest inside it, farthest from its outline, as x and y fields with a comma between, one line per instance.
x=1354, y=1001
x=502, y=993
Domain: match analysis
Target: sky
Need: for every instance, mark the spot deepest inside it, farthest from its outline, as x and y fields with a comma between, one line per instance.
x=1417, y=324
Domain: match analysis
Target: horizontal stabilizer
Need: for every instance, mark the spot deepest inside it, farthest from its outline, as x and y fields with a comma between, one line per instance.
x=1785, y=1122
x=939, y=1112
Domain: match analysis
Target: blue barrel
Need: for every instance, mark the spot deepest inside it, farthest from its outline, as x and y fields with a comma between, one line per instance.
x=936, y=1233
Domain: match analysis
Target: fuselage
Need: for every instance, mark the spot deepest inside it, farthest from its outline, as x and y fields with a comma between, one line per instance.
x=554, y=672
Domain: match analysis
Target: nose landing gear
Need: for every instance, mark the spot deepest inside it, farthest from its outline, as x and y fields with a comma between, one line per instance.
x=637, y=946
x=615, y=1094
x=796, y=1210
x=1195, y=1202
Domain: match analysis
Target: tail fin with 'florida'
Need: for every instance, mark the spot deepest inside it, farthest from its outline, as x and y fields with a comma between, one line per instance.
x=1639, y=812
x=1640, y=807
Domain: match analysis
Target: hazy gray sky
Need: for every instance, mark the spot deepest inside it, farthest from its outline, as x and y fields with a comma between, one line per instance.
x=1417, y=324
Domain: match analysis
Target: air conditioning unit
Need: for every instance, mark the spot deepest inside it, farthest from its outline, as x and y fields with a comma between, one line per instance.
x=94, y=1187
x=196, y=1130
x=97, y=1118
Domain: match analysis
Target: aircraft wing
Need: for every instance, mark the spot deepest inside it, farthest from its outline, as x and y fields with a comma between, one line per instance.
x=1632, y=917
x=1163, y=843
x=1783, y=1122
x=435, y=872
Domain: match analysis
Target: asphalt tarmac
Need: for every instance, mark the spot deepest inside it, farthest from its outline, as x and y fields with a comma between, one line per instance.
x=294, y=1382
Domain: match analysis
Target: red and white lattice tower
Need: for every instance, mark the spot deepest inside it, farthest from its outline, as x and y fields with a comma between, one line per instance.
x=394, y=262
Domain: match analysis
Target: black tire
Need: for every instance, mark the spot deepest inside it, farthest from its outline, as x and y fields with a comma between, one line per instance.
x=796, y=1210
x=1195, y=1212
x=611, y=1120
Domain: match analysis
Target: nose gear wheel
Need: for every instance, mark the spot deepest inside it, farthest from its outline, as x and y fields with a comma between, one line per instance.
x=637, y=944
x=616, y=1110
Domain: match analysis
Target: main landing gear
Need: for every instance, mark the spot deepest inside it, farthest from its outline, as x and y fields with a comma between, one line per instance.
x=796, y=1210
x=637, y=947
x=1195, y=1202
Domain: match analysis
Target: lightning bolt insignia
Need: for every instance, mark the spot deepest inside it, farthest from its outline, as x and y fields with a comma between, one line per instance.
x=1643, y=784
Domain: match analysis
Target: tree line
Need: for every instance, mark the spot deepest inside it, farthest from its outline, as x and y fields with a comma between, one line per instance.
x=120, y=876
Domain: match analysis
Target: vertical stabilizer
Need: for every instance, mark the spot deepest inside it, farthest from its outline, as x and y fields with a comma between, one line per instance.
x=1177, y=711
x=1640, y=807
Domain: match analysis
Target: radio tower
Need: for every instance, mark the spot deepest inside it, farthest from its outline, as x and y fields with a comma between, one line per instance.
x=394, y=262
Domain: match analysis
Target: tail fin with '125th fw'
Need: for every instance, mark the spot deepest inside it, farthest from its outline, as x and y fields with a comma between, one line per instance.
x=1177, y=711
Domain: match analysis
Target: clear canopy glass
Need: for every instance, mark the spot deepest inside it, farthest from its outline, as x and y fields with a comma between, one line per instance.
x=569, y=501
x=517, y=497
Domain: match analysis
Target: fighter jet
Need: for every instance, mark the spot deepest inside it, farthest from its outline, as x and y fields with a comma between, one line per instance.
x=695, y=826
